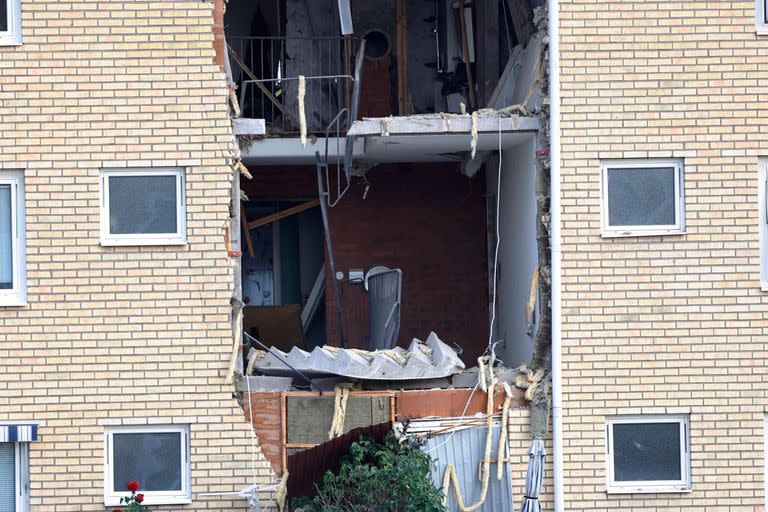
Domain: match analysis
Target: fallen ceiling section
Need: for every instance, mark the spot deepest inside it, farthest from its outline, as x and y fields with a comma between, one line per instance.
x=432, y=359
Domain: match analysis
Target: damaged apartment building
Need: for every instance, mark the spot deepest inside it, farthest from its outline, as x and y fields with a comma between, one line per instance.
x=236, y=235
x=390, y=229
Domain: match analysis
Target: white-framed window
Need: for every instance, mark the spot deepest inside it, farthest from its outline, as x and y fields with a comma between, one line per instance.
x=14, y=477
x=762, y=187
x=648, y=453
x=13, y=246
x=10, y=22
x=761, y=16
x=143, y=207
x=155, y=456
x=642, y=198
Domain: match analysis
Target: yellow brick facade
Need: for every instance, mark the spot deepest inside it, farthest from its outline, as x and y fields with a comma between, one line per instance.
x=119, y=335
x=672, y=324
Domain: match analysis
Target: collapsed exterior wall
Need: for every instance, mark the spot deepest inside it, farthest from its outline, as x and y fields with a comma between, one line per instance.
x=119, y=335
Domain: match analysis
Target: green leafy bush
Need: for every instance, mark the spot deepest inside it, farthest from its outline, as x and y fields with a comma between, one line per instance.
x=377, y=477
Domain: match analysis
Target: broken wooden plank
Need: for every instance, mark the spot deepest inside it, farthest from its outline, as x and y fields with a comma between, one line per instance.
x=248, y=239
x=237, y=340
x=403, y=102
x=261, y=86
x=285, y=213
x=465, y=56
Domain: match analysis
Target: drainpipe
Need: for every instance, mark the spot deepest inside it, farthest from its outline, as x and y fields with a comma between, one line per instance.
x=554, y=127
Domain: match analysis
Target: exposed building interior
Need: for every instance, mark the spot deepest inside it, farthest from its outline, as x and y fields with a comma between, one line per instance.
x=389, y=219
x=403, y=192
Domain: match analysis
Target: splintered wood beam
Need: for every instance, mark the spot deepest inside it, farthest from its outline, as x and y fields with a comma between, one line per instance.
x=465, y=51
x=261, y=86
x=403, y=102
x=248, y=240
x=283, y=214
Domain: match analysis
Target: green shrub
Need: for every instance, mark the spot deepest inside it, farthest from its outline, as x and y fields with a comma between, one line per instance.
x=377, y=477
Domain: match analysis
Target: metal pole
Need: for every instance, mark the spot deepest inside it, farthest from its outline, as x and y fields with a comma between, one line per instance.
x=323, y=193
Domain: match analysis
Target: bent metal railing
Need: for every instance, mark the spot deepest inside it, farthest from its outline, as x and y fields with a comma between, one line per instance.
x=266, y=71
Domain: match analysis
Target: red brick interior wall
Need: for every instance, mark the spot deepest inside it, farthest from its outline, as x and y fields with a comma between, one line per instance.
x=425, y=219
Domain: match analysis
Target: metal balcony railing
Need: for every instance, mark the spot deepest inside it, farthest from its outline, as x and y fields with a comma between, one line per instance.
x=266, y=71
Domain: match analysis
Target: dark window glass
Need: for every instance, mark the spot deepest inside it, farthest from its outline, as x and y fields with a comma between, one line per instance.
x=142, y=204
x=152, y=459
x=641, y=197
x=6, y=238
x=646, y=451
x=4, y=15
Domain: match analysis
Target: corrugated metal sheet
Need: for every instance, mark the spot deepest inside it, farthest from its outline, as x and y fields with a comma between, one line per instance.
x=432, y=359
x=464, y=450
x=307, y=467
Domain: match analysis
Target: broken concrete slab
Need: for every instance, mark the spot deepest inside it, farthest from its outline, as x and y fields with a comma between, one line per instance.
x=245, y=126
x=441, y=123
x=422, y=360
x=266, y=383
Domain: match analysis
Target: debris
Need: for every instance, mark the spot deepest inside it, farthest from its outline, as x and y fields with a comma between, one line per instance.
x=239, y=166
x=282, y=492
x=450, y=476
x=421, y=361
x=504, y=447
x=339, y=411
x=473, y=134
x=302, y=111
x=237, y=338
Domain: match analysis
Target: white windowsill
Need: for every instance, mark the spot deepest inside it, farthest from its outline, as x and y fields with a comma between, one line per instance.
x=14, y=302
x=629, y=234
x=149, y=500
x=139, y=241
x=648, y=490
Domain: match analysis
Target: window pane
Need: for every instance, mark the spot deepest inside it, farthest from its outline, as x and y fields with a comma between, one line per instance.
x=142, y=204
x=153, y=460
x=7, y=477
x=641, y=197
x=4, y=15
x=6, y=239
x=646, y=451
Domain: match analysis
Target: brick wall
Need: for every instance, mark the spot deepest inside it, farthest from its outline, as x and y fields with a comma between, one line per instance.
x=118, y=335
x=674, y=323
x=427, y=220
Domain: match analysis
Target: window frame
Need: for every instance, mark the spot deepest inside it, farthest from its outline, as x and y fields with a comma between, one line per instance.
x=140, y=239
x=678, y=228
x=21, y=488
x=181, y=497
x=649, y=486
x=761, y=17
x=16, y=296
x=12, y=36
x=762, y=208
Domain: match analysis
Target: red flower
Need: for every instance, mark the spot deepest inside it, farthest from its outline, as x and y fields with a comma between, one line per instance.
x=139, y=498
x=117, y=510
x=133, y=486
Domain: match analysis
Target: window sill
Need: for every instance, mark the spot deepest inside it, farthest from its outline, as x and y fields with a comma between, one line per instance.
x=13, y=303
x=649, y=490
x=149, y=500
x=140, y=242
x=633, y=234
x=10, y=41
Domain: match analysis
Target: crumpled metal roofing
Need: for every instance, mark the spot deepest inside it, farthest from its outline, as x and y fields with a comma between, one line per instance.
x=432, y=359
x=465, y=449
